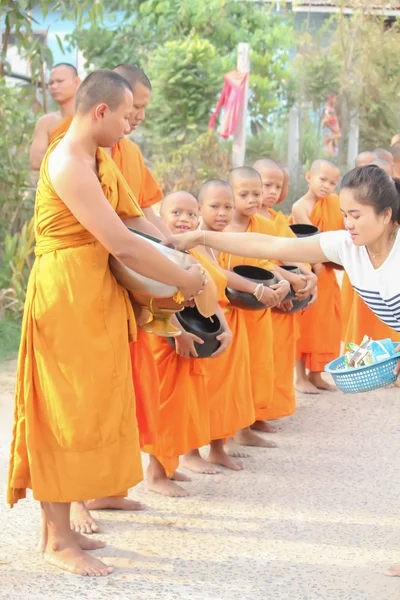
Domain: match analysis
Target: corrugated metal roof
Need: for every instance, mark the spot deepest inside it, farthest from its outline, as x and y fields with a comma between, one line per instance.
x=375, y=6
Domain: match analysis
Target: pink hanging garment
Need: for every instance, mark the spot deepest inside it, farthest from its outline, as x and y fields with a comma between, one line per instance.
x=231, y=99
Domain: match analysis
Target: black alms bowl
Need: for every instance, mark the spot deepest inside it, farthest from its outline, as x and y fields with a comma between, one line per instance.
x=245, y=300
x=304, y=230
x=207, y=329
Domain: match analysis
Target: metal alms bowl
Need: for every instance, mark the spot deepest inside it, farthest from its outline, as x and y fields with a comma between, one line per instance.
x=138, y=284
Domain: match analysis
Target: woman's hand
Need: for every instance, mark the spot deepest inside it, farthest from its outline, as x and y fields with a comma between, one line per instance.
x=184, y=241
x=184, y=344
x=226, y=339
x=397, y=367
x=311, y=284
x=195, y=282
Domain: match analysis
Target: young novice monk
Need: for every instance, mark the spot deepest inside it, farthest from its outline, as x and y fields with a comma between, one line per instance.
x=184, y=410
x=247, y=189
x=285, y=326
x=320, y=326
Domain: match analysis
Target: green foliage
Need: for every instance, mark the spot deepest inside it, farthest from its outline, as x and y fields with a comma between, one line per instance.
x=10, y=331
x=189, y=165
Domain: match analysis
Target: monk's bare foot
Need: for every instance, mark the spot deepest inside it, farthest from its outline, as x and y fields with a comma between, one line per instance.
x=161, y=484
x=319, y=382
x=393, y=571
x=304, y=386
x=81, y=519
x=263, y=426
x=218, y=456
x=233, y=449
x=67, y=555
x=194, y=462
x=114, y=503
x=247, y=437
x=83, y=542
x=178, y=476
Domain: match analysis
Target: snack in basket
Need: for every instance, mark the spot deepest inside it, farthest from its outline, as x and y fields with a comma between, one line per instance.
x=367, y=353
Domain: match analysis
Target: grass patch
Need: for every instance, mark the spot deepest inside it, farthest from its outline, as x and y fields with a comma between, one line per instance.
x=10, y=332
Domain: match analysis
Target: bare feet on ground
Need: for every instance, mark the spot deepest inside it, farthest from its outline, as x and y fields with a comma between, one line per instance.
x=247, y=437
x=81, y=519
x=319, y=382
x=218, y=456
x=194, y=462
x=114, y=503
x=263, y=426
x=159, y=482
x=393, y=571
x=66, y=554
x=233, y=449
x=178, y=476
x=304, y=386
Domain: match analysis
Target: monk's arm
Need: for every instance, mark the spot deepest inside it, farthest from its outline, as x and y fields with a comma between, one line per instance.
x=39, y=144
x=79, y=188
x=301, y=212
x=254, y=245
x=156, y=221
x=145, y=226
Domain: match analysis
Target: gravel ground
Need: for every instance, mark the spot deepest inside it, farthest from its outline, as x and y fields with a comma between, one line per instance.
x=315, y=519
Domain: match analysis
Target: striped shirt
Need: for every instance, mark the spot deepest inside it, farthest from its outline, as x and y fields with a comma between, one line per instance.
x=379, y=288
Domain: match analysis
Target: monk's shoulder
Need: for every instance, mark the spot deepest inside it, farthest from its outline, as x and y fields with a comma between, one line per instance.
x=49, y=121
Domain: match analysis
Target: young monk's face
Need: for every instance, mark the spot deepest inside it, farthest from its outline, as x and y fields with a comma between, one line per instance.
x=361, y=220
x=63, y=84
x=248, y=195
x=272, y=184
x=141, y=100
x=180, y=213
x=217, y=208
x=323, y=180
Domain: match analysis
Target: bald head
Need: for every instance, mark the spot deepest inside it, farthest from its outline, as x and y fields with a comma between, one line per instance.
x=63, y=83
x=67, y=67
x=385, y=154
x=383, y=164
x=212, y=187
x=180, y=212
x=133, y=74
x=395, y=151
x=395, y=139
x=266, y=163
x=365, y=158
x=243, y=173
x=321, y=164
x=101, y=87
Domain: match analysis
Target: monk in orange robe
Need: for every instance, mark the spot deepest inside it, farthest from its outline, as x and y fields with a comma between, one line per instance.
x=75, y=433
x=285, y=325
x=320, y=326
x=184, y=409
x=126, y=154
x=247, y=188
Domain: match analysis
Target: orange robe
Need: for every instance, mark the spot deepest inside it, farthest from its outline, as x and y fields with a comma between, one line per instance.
x=286, y=332
x=347, y=296
x=184, y=422
x=129, y=160
x=230, y=398
x=259, y=329
x=127, y=156
x=320, y=325
x=75, y=432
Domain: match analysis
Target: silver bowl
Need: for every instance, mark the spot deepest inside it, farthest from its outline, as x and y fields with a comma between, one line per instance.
x=145, y=286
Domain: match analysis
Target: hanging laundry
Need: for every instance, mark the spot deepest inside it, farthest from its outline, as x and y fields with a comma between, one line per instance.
x=231, y=99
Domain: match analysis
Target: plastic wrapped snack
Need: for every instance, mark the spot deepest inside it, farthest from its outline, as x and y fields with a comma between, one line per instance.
x=367, y=353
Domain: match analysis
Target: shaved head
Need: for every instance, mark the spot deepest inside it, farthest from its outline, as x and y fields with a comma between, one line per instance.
x=266, y=163
x=395, y=139
x=133, y=74
x=395, y=150
x=243, y=173
x=211, y=185
x=101, y=87
x=73, y=70
x=365, y=158
x=383, y=164
x=178, y=197
x=385, y=154
x=321, y=163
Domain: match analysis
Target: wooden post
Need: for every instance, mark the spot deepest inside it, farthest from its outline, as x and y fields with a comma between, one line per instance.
x=352, y=149
x=294, y=162
x=239, y=138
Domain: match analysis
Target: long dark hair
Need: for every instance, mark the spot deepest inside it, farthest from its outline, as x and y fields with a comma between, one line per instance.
x=372, y=185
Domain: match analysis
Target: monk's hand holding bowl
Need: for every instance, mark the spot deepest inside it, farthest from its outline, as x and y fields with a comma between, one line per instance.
x=282, y=289
x=311, y=283
x=195, y=282
x=226, y=339
x=269, y=297
x=285, y=306
x=184, y=344
x=184, y=241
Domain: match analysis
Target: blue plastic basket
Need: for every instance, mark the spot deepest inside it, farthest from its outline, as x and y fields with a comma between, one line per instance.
x=363, y=379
